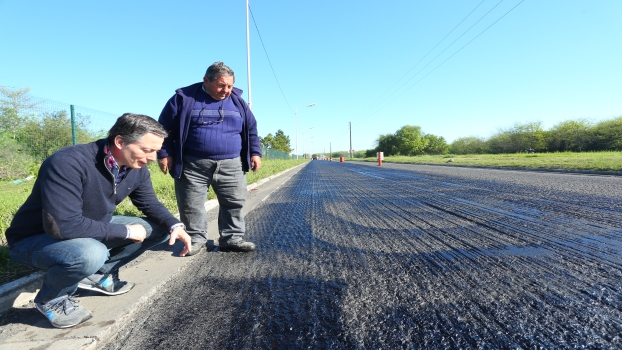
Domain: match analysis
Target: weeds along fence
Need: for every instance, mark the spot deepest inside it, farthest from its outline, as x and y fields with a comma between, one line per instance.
x=32, y=128
x=269, y=153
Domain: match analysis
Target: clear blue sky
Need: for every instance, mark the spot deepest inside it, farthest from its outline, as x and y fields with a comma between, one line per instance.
x=546, y=60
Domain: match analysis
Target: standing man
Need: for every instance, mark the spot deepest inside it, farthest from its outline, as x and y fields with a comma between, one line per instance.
x=213, y=141
x=66, y=225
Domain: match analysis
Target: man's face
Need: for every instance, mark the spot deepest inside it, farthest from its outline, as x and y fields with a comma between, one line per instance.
x=220, y=88
x=138, y=153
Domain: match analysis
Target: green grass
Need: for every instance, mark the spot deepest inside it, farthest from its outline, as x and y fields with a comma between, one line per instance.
x=165, y=189
x=12, y=196
x=10, y=269
x=601, y=161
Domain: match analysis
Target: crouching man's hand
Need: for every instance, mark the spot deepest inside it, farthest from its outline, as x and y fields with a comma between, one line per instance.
x=137, y=233
x=179, y=233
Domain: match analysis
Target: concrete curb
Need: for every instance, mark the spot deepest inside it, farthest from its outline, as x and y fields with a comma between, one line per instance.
x=18, y=293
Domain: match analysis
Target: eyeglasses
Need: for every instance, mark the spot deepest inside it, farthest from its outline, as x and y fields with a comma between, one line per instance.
x=204, y=112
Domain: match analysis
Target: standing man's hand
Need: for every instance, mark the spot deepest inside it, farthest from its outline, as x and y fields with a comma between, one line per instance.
x=180, y=234
x=255, y=163
x=164, y=163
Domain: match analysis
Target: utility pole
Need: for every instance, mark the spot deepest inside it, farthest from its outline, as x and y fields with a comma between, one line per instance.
x=248, y=60
x=350, y=140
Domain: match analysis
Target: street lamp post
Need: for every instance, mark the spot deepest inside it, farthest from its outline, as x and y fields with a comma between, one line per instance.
x=309, y=105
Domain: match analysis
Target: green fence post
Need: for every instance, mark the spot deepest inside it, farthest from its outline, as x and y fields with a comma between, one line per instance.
x=73, y=125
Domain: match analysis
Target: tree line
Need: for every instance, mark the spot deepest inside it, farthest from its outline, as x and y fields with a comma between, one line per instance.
x=278, y=142
x=275, y=146
x=409, y=140
x=567, y=136
x=29, y=134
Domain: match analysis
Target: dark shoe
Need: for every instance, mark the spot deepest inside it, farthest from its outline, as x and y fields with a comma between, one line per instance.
x=109, y=285
x=237, y=246
x=64, y=312
x=196, y=248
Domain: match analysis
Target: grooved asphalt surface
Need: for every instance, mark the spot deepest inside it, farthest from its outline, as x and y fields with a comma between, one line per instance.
x=356, y=256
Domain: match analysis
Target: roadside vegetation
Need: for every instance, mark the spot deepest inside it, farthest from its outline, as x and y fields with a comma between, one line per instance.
x=597, y=161
x=578, y=135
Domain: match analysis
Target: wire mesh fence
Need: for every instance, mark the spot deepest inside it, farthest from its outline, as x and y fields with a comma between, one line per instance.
x=32, y=128
x=269, y=153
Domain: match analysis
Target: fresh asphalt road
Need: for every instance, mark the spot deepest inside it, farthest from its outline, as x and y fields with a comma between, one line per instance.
x=357, y=256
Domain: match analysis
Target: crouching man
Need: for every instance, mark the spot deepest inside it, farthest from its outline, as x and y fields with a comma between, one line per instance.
x=66, y=225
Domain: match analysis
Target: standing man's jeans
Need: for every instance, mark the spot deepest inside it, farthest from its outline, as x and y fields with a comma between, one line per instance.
x=229, y=183
x=69, y=261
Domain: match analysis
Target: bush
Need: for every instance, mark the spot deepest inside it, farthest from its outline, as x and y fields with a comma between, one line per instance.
x=12, y=196
x=14, y=163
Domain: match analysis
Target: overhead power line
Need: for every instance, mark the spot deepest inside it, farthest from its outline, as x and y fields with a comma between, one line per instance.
x=426, y=55
x=448, y=46
x=447, y=59
x=460, y=49
x=266, y=52
x=452, y=43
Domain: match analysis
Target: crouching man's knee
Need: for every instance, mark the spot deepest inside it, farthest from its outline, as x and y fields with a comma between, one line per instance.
x=88, y=256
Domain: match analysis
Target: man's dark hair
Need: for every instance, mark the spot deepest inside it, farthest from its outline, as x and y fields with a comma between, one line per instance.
x=217, y=69
x=132, y=127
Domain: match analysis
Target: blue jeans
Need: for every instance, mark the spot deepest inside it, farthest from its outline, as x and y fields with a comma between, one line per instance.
x=69, y=261
x=229, y=183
